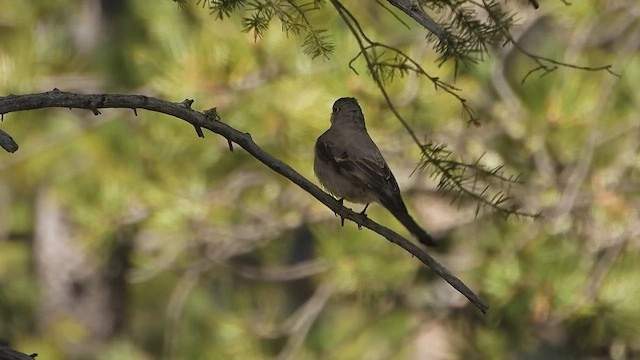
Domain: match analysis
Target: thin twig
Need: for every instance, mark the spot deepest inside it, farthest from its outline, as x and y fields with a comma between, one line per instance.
x=544, y=64
x=393, y=14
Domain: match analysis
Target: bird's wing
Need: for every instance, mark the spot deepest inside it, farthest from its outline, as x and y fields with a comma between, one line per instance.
x=328, y=151
x=365, y=167
x=372, y=170
x=369, y=170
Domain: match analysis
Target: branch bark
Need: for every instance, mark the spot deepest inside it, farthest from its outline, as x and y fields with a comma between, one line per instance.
x=211, y=121
x=414, y=11
x=7, y=142
x=7, y=353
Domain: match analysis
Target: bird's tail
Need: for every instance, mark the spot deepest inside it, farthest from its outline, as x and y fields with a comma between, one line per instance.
x=399, y=210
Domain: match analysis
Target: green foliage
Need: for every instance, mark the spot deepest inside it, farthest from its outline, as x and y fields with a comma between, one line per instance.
x=470, y=36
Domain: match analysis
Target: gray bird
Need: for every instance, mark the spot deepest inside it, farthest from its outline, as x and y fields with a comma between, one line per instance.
x=350, y=166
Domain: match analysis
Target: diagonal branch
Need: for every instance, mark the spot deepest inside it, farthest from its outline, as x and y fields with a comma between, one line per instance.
x=211, y=121
x=414, y=11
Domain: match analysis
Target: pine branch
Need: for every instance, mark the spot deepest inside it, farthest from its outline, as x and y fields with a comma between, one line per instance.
x=292, y=16
x=455, y=176
x=223, y=8
x=472, y=180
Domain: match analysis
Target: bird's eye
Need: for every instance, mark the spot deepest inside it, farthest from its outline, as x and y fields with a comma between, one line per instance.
x=335, y=108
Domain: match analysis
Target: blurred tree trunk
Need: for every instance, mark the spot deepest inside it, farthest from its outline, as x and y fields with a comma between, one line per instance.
x=82, y=298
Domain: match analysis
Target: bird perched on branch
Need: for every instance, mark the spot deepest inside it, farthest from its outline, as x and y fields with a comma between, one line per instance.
x=350, y=166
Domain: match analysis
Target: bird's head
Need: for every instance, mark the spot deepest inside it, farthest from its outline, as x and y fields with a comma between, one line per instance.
x=347, y=111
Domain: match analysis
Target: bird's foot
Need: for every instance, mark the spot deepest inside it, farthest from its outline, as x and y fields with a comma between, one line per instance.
x=363, y=213
x=341, y=201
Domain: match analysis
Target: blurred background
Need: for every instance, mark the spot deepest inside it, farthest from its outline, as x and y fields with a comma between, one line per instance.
x=128, y=237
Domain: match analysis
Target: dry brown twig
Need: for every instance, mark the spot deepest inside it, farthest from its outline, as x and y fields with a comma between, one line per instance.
x=210, y=120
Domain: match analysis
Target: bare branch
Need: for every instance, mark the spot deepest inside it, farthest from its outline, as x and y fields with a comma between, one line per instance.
x=7, y=142
x=414, y=11
x=7, y=353
x=93, y=102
